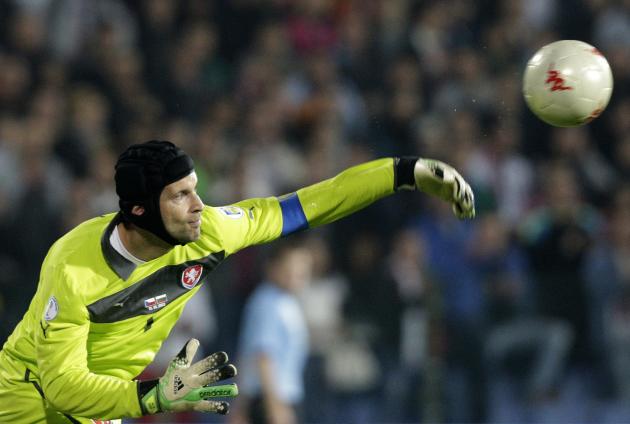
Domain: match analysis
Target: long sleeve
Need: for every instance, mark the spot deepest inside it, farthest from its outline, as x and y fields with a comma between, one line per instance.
x=256, y=221
x=352, y=190
x=62, y=357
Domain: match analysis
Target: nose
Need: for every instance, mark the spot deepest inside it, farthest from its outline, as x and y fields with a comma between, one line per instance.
x=197, y=205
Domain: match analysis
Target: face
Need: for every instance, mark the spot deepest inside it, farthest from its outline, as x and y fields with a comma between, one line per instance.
x=292, y=270
x=181, y=209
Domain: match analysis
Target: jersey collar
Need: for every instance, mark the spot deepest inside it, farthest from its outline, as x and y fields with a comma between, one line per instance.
x=117, y=262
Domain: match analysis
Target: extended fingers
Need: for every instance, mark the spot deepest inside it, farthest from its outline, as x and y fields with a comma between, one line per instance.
x=216, y=374
x=464, y=209
x=213, y=361
x=185, y=356
x=463, y=199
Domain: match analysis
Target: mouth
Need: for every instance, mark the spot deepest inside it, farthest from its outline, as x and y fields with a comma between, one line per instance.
x=195, y=224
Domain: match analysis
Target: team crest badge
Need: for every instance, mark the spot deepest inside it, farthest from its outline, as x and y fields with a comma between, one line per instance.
x=191, y=276
x=52, y=309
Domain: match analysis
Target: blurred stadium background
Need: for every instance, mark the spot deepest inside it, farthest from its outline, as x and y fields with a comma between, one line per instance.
x=520, y=316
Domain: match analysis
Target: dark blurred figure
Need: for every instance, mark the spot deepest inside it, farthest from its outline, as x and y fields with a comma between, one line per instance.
x=460, y=287
x=524, y=354
x=413, y=378
x=557, y=237
x=608, y=276
x=35, y=219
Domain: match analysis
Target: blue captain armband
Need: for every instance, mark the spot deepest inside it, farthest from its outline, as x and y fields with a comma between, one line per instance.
x=293, y=218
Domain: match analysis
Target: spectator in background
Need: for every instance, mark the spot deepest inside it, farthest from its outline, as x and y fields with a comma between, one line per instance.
x=503, y=177
x=370, y=334
x=524, y=354
x=557, y=237
x=622, y=157
x=596, y=176
x=412, y=377
x=460, y=286
x=608, y=276
x=273, y=346
x=372, y=301
x=322, y=302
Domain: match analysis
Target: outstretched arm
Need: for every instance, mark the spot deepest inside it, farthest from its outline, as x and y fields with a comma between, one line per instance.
x=361, y=185
x=256, y=221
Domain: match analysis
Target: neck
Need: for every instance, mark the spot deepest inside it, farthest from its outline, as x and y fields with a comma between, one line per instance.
x=142, y=244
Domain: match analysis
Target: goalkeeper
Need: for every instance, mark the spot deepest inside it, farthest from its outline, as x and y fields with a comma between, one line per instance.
x=111, y=290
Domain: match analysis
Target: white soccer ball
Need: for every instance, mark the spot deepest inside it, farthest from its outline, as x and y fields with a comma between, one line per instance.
x=567, y=83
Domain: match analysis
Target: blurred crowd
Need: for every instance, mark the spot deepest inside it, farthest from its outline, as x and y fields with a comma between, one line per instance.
x=522, y=315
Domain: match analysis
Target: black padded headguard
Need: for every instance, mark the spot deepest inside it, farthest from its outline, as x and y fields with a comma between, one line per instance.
x=142, y=172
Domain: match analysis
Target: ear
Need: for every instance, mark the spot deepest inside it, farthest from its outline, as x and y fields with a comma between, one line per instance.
x=137, y=210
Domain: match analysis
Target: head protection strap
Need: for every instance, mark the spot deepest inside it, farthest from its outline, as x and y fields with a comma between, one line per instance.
x=142, y=172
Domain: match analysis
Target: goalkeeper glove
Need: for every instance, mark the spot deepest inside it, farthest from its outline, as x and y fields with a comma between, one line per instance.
x=440, y=180
x=184, y=387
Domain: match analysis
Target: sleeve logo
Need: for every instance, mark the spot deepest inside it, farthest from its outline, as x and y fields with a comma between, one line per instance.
x=191, y=276
x=233, y=212
x=52, y=309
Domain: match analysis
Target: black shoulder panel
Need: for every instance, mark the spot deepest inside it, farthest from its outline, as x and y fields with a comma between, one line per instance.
x=152, y=293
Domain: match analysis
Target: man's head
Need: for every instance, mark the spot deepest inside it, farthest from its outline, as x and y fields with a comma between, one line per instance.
x=156, y=183
x=289, y=264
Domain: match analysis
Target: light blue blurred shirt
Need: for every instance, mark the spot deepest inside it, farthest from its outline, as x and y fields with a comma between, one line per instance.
x=273, y=323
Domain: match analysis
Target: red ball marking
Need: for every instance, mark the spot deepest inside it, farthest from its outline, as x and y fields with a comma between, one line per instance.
x=594, y=114
x=554, y=77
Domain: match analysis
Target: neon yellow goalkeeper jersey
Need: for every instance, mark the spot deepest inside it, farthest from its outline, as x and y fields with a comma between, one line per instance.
x=97, y=320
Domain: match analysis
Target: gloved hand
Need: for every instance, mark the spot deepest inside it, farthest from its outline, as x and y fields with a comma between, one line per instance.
x=442, y=180
x=184, y=387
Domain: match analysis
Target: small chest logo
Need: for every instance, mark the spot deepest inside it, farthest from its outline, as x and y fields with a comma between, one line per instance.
x=52, y=309
x=191, y=276
x=233, y=212
x=156, y=302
